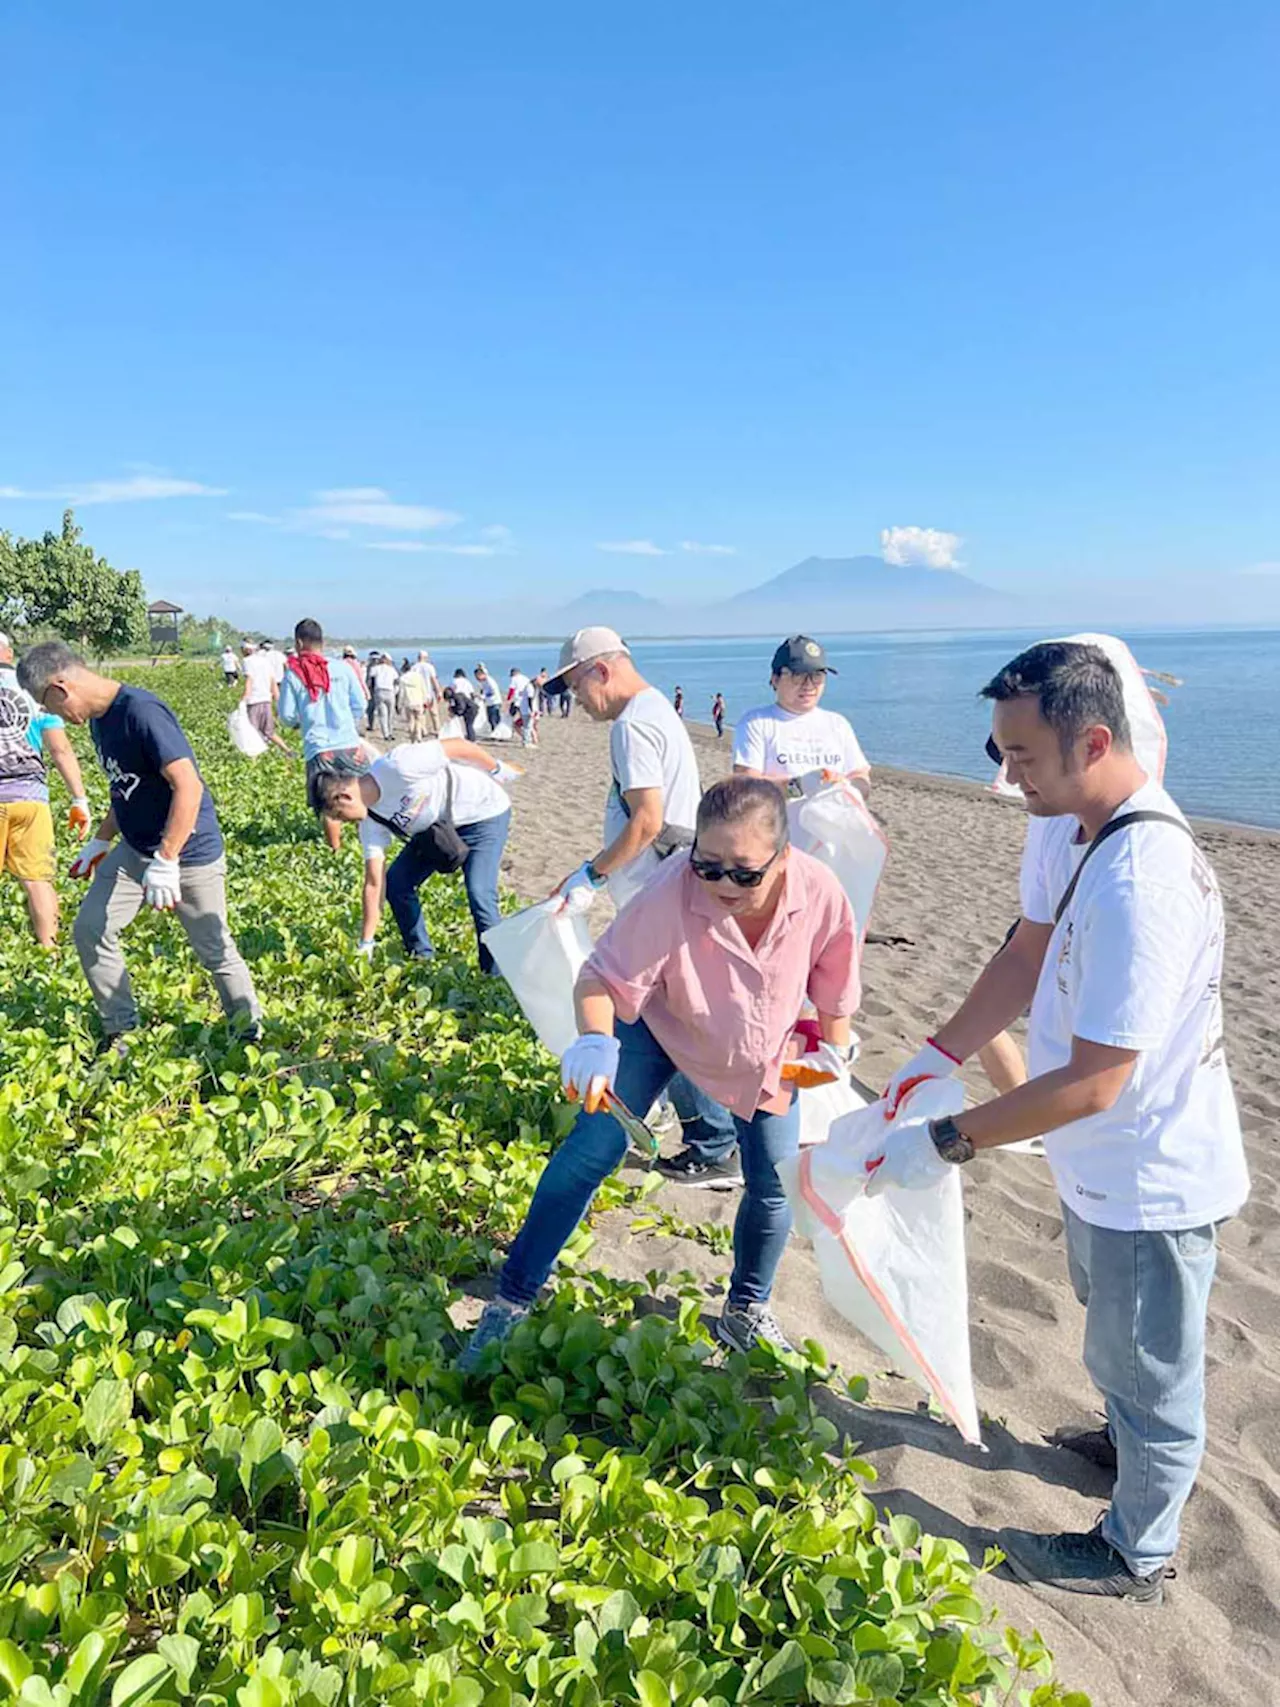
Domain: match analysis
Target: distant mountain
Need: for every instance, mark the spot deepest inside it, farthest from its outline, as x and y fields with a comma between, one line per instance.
x=845, y=578
x=616, y=607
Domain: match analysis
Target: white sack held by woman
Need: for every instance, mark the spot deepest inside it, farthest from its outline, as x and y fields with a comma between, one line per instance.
x=893, y=1264
x=540, y=953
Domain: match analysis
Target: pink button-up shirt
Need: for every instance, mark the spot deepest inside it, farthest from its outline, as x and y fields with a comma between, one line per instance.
x=724, y=1012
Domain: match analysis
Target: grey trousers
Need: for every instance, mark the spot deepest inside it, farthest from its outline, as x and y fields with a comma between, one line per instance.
x=112, y=904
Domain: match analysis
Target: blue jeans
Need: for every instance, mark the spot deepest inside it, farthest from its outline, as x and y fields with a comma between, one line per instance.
x=595, y=1147
x=709, y=1128
x=1146, y=1296
x=408, y=871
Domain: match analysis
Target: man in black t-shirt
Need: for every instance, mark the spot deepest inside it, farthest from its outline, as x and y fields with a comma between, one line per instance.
x=170, y=854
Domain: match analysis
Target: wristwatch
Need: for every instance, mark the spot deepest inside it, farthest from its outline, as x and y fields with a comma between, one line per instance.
x=949, y=1141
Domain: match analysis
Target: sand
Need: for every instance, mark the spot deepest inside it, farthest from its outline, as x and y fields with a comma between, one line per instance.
x=950, y=891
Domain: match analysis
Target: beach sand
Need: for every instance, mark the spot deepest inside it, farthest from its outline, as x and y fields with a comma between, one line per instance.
x=949, y=892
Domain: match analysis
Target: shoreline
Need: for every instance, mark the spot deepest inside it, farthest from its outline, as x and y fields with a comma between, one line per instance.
x=1231, y=828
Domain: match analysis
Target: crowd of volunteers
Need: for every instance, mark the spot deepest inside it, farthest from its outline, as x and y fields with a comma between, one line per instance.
x=725, y=935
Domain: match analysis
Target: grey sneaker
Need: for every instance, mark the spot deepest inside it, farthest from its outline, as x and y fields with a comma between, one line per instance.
x=497, y=1320
x=1077, y=1564
x=1093, y=1444
x=744, y=1326
x=688, y=1168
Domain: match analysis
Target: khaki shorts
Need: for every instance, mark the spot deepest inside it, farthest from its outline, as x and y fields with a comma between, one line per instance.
x=26, y=840
x=262, y=718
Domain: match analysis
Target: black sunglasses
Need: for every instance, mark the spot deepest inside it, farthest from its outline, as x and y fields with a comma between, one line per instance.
x=746, y=877
x=993, y=752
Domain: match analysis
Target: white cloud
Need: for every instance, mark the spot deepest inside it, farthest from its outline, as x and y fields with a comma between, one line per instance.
x=928, y=548
x=370, y=507
x=632, y=547
x=1261, y=569
x=252, y=516
x=498, y=534
x=701, y=550
x=422, y=545
x=137, y=488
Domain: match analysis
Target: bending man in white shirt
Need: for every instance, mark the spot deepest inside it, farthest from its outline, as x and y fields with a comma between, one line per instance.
x=1119, y=953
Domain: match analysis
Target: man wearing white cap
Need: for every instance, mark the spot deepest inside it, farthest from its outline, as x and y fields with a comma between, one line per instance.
x=650, y=812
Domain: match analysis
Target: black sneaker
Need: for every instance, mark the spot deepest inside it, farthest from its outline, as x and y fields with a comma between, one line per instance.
x=688, y=1168
x=1077, y=1564
x=113, y=1046
x=1093, y=1444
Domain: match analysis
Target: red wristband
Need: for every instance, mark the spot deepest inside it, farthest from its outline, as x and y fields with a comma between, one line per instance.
x=934, y=1044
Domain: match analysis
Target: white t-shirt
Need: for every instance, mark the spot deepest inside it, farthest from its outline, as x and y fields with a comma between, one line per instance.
x=414, y=690
x=383, y=678
x=490, y=691
x=791, y=743
x=230, y=663
x=427, y=671
x=1136, y=963
x=649, y=747
x=277, y=663
x=463, y=686
x=412, y=785
x=529, y=699
x=260, y=678
x=516, y=686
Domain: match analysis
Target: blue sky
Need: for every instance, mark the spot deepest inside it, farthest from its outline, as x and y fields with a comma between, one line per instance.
x=387, y=311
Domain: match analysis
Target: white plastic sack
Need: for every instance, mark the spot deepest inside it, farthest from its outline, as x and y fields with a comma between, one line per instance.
x=893, y=1264
x=836, y=826
x=1150, y=743
x=453, y=729
x=540, y=952
x=244, y=737
x=822, y=1105
x=504, y=731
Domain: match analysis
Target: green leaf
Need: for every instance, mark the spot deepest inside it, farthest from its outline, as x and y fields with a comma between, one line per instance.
x=532, y=1557
x=784, y=1677
x=651, y=1690
x=15, y=1667
x=880, y=1674
x=183, y=1654
x=905, y=1531
x=86, y=1665
x=140, y=1680
x=355, y=1562
x=108, y=1408
x=499, y=1429
x=619, y=1612
x=834, y=1683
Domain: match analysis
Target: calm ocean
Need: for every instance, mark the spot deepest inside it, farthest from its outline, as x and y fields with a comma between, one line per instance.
x=913, y=699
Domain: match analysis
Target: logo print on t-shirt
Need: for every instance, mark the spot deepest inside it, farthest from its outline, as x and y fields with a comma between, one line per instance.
x=121, y=783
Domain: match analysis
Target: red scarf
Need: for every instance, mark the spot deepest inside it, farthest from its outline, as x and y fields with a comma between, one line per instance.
x=312, y=669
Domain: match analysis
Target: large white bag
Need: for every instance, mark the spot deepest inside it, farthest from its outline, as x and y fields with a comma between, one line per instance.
x=504, y=732
x=836, y=826
x=244, y=737
x=893, y=1264
x=540, y=952
x=821, y=1106
x=453, y=729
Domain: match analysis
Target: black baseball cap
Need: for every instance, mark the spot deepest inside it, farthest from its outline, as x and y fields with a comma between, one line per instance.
x=802, y=656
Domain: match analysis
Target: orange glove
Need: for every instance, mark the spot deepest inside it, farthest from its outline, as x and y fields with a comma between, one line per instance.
x=78, y=818
x=820, y=1066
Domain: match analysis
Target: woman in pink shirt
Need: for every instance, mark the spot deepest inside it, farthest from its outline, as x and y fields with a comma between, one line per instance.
x=705, y=973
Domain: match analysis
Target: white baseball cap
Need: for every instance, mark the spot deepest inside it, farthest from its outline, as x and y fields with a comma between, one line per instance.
x=584, y=646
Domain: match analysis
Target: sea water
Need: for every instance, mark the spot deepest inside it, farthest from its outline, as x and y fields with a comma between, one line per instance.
x=913, y=698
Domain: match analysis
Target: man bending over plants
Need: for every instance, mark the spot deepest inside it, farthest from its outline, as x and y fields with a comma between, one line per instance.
x=445, y=801
x=704, y=973
x=170, y=852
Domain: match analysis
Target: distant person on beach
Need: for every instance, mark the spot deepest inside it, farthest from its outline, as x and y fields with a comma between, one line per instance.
x=717, y=715
x=491, y=696
x=703, y=974
x=432, y=692
x=169, y=854
x=277, y=658
x=794, y=737
x=651, y=805
x=325, y=701
x=460, y=697
x=401, y=797
x=517, y=682
x=353, y=663
x=544, y=697
x=677, y=702
x=530, y=703
x=383, y=679
x=230, y=667
x=566, y=702
x=413, y=701
x=29, y=737
x=260, y=695
x=1119, y=953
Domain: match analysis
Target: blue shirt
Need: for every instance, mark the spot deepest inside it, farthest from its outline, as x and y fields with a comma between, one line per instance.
x=329, y=723
x=136, y=737
x=22, y=730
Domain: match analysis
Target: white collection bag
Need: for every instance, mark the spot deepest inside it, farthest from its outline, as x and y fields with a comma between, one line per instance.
x=504, y=732
x=453, y=729
x=540, y=952
x=822, y=1105
x=244, y=737
x=893, y=1264
x=836, y=826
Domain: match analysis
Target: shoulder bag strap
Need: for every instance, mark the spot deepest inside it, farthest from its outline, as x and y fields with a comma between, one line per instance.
x=1111, y=828
x=387, y=824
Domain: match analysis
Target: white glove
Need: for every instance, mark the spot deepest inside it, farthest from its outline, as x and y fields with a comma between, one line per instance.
x=162, y=884
x=588, y=1069
x=820, y=1066
x=927, y=1063
x=579, y=890
x=365, y=947
x=89, y=858
x=911, y=1160
x=506, y=774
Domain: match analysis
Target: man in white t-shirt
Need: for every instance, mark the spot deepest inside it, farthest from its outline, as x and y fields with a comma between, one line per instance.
x=230, y=666
x=1119, y=953
x=794, y=737
x=650, y=813
x=431, y=691
x=277, y=658
x=260, y=695
x=397, y=799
